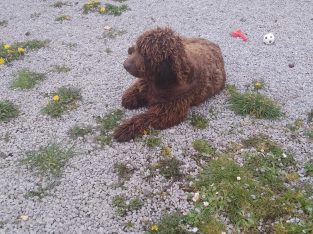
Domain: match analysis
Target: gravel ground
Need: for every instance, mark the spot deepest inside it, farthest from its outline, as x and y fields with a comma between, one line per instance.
x=81, y=203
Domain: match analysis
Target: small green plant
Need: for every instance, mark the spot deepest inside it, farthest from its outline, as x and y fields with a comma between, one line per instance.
x=78, y=131
x=255, y=104
x=122, y=206
x=170, y=224
x=60, y=69
x=203, y=147
x=15, y=51
x=3, y=23
x=49, y=160
x=199, y=121
x=26, y=79
x=62, y=100
x=91, y=6
x=153, y=142
x=309, y=134
x=107, y=124
x=170, y=168
x=308, y=167
x=8, y=111
x=123, y=171
x=112, y=33
x=59, y=4
x=263, y=143
x=116, y=10
x=62, y=18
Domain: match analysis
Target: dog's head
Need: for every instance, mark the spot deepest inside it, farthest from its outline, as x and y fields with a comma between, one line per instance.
x=157, y=54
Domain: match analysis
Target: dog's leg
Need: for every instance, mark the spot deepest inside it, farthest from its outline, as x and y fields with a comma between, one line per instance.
x=135, y=96
x=159, y=116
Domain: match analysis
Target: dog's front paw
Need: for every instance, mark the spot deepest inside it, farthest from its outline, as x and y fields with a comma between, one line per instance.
x=126, y=132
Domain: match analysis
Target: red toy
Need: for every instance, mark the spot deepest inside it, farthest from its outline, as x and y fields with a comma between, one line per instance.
x=240, y=34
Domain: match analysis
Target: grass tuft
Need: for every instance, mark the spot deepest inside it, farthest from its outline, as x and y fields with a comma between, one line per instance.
x=62, y=100
x=59, y=4
x=263, y=143
x=77, y=131
x=49, y=160
x=116, y=10
x=199, y=121
x=123, y=206
x=255, y=104
x=26, y=79
x=62, y=18
x=170, y=168
x=308, y=167
x=91, y=6
x=203, y=147
x=310, y=116
x=123, y=172
x=8, y=111
x=107, y=124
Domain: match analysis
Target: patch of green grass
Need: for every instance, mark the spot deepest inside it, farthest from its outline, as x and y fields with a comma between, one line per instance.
x=254, y=104
x=170, y=168
x=67, y=99
x=153, y=142
x=123, y=172
x=49, y=160
x=59, y=4
x=292, y=228
x=32, y=44
x=78, y=131
x=198, y=121
x=203, y=147
x=248, y=201
x=26, y=79
x=107, y=124
x=310, y=116
x=116, y=10
x=123, y=206
x=3, y=23
x=12, y=52
x=8, y=111
x=308, y=167
x=91, y=6
x=62, y=18
x=263, y=143
x=60, y=69
x=170, y=224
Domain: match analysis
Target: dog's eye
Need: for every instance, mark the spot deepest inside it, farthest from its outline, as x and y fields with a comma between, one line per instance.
x=131, y=50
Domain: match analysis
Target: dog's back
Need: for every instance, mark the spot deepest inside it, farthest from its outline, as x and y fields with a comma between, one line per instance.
x=208, y=75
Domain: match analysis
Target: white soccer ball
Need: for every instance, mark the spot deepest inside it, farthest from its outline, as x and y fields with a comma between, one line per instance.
x=269, y=38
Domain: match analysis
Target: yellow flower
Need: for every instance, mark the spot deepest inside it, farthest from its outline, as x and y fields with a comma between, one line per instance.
x=56, y=98
x=102, y=10
x=6, y=46
x=258, y=85
x=154, y=228
x=2, y=61
x=67, y=17
x=21, y=50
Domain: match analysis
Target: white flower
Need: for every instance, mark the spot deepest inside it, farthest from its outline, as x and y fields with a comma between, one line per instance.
x=205, y=203
x=196, y=197
x=238, y=178
x=284, y=155
x=194, y=230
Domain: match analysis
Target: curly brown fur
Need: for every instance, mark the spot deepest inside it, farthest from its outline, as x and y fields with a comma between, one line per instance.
x=173, y=74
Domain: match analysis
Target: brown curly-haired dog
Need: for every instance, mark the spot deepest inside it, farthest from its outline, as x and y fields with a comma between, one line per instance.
x=173, y=74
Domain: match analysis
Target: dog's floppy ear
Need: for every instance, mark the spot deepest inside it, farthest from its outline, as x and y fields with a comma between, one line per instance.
x=161, y=44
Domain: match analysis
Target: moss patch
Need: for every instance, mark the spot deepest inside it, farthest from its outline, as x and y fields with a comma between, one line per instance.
x=8, y=111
